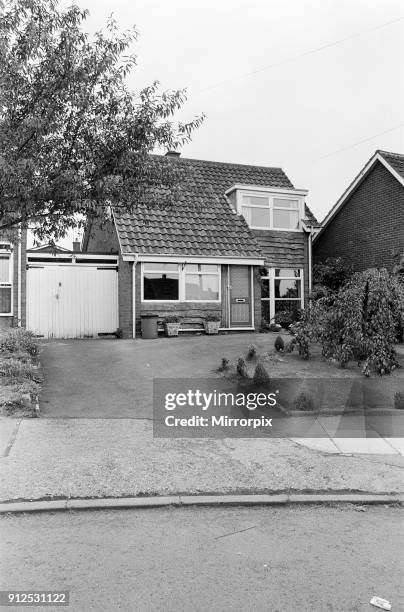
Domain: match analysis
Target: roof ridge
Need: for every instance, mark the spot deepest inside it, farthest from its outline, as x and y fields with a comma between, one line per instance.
x=211, y=161
x=390, y=153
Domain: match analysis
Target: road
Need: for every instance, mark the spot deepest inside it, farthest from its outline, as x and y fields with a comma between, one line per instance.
x=262, y=559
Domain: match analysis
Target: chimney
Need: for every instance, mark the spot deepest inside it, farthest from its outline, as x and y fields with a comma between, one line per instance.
x=76, y=246
x=173, y=154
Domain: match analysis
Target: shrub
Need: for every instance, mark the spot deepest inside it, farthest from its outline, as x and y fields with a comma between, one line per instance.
x=261, y=376
x=225, y=365
x=16, y=369
x=242, y=368
x=330, y=275
x=290, y=346
x=279, y=344
x=303, y=401
x=19, y=340
x=251, y=352
x=285, y=318
x=357, y=323
x=399, y=400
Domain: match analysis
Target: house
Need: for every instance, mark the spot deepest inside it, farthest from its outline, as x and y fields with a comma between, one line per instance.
x=13, y=281
x=236, y=244
x=366, y=225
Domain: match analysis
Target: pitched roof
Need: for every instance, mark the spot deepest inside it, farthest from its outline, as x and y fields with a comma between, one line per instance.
x=202, y=222
x=396, y=161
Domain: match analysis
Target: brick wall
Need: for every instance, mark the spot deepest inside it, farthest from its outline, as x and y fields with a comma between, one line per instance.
x=369, y=228
x=13, y=320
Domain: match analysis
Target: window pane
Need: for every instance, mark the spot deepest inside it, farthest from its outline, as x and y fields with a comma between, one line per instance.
x=206, y=268
x=287, y=288
x=265, y=287
x=282, y=203
x=286, y=219
x=160, y=286
x=4, y=268
x=265, y=314
x=5, y=299
x=161, y=267
x=287, y=272
x=256, y=217
x=256, y=201
x=200, y=287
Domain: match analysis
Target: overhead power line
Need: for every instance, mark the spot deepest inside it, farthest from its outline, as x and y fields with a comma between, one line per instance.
x=299, y=56
x=358, y=142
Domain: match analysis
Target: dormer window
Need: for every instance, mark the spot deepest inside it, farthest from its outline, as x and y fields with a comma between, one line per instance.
x=267, y=210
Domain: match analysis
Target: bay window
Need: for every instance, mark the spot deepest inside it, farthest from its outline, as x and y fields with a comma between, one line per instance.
x=6, y=275
x=174, y=282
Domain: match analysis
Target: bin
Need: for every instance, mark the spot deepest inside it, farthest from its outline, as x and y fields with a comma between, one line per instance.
x=149, y=326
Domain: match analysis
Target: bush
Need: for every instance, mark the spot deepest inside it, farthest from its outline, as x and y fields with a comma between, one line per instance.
x=251, y=352
x=399, y=400
x=279, y=344
x=242, y=368
x=225, y=365
x=357, y=323
x=303, y=401
x=16, y=369
x=285, y=318
x=19, y=340
x=261, y=376
x=330, y=275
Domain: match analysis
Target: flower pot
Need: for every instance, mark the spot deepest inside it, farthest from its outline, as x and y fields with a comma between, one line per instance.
x=172, y=329
x=211, y=327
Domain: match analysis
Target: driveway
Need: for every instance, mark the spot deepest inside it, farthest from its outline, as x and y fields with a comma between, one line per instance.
x=113, y=378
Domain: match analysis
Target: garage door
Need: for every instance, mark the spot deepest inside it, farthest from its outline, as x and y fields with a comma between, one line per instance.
x=72, y=301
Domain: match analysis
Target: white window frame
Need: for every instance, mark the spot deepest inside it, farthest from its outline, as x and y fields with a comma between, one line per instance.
x=181, y=267
x=270, y=197
x=272, y=278
x=10, y=284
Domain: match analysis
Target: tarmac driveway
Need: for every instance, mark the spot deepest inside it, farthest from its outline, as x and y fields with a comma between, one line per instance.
x=114, y=378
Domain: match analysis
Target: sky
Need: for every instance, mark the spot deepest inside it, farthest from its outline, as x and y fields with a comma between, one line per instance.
x=276, y=89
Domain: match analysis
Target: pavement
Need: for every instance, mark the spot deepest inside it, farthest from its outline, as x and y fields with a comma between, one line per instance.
x=81, y=458
x=263, y=559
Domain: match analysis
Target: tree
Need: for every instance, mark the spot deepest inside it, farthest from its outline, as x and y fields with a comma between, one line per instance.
x=74, y=139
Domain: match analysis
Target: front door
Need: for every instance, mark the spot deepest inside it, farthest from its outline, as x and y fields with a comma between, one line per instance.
x=240, y=296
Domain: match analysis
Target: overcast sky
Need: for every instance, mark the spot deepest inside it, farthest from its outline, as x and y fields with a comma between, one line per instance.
x=300, y=112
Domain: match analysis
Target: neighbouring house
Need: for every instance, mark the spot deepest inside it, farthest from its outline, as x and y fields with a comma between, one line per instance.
x=366, y=225
x=13, y=281
x=236, y=244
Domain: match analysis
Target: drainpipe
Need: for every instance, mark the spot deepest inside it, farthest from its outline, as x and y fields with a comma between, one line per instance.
x=19, y=280
x=134, y=296
x=310, y=258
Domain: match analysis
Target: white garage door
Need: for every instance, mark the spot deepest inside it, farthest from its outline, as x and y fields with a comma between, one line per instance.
x=72, y=300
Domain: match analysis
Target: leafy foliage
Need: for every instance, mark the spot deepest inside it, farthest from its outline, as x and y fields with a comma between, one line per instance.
x=279, y=344
x=251, y=352
x=260, y=376
x=358, y=323
x=19, y=340
x=329, y=276
x=285, y=318
x=241, y=368
x=74, y=139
